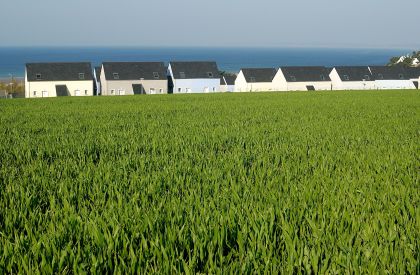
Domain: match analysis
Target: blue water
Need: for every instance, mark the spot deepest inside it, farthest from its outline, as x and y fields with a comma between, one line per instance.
x=12, y=60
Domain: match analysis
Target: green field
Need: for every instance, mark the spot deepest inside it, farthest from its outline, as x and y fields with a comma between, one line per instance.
x=324, y=182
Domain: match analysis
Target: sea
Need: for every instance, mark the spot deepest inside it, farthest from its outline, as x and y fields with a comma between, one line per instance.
x=13, y=59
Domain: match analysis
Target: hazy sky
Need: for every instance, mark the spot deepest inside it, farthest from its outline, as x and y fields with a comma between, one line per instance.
x=247, y=23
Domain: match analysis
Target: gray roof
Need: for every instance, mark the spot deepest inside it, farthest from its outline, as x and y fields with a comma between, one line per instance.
x=71, y=71
x=389, y=73
x=195, y=70
x=259, y=74
x=354, y=73
x=230, y=79
x=412, y=72
x=134, y=70
x=306, y=74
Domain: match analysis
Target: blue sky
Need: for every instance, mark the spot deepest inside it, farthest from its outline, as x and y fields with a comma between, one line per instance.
x=216, y=23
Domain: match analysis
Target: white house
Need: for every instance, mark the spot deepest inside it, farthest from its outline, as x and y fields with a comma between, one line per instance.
x=395, y=77
x=352, y=78
x=130, y=78
x=302, y=79
x=194, y=77
x=255, y=80
x=227, y=83
x=58, y=79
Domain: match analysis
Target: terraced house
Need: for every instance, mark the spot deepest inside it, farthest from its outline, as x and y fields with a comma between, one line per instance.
x=194, y=77
x=395, y=77
x=302, y=79
x=352, y=78
x=130, y=78
x=58, y=79
x=255, y=80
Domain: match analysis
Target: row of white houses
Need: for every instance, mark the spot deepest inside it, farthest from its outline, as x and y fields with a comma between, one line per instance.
x=129, y=78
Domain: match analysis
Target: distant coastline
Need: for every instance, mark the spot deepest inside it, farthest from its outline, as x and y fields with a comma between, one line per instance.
x=13, y=59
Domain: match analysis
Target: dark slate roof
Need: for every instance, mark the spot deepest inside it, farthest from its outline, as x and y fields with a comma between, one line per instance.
x=389, y=73
x=134, y=70
x=306, y=74
x=230, y=79
x=412, y=72
x=259, y=74
x=195, y=70
x=98, y=72
x=59, y=71
x=354, y=73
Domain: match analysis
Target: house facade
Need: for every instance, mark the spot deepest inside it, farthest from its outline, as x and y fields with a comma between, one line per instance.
x=302, y=79
x=227, y=83
x=58, y=79
x=352, y=78
x=395, y=77
x=130, y=78
x=194, y=77
x=255, y=80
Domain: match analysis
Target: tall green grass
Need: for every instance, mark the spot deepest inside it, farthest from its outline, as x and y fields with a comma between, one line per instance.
x=292, y=183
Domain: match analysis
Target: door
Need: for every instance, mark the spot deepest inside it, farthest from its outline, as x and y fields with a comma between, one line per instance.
x=138, y=89
x=77, y=93
x=121, y=92
x=44, y=93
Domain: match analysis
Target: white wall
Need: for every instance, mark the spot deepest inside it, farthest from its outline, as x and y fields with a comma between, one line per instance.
x=196, y=85
x=394, y=84
x=241, y=85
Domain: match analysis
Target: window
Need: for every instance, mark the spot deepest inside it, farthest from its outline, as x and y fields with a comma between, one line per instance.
x=156, y=75
x=322, y=77
x=214, y=89
x=152, y=91
x=401, y=76
x=34, y=93
x=179, y=90
x=380, y=76
x=86, y=92
x=292, y=78
x=161, y=91
x=116, y=75
x=81, y=76
x=346, y=77
x=187, y=90
x=366, y=77
x=121, y=92
x=182, y=74
x=210, y=74
x=112, y=91
x=38, y=76
x=252, y=79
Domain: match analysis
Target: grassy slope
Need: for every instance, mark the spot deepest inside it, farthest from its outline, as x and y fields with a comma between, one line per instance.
x=288, y=182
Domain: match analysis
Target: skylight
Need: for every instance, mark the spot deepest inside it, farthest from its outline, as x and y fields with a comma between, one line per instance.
x=322, y=77
x=38, y=76
x=182, y=74
x=156, y=75
x=366, y=77
x=116, y=75
x=401, y=76
x=210, y=74
x=252, y=79
x=81, y=76
x=380, y=76
x=346, y=77
x=292, y=78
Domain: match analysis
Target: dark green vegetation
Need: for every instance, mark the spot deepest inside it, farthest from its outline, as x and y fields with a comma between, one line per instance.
x=290, y=182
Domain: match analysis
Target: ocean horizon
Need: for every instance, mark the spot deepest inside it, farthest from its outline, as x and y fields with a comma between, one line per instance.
x=13, y=59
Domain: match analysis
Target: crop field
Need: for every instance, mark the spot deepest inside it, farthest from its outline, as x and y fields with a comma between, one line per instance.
x=321, y=182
